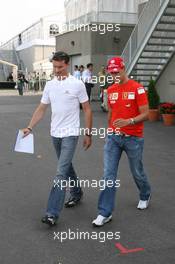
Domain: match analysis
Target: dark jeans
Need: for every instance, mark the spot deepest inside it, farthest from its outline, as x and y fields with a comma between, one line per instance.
x=89, y=87
x=115, y=145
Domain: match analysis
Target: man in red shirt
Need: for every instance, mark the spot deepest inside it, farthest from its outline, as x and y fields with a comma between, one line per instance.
x=128, y=108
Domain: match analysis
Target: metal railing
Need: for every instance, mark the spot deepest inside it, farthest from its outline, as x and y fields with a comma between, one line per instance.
x=19, y=62
x=16, y=55
x=150, y=13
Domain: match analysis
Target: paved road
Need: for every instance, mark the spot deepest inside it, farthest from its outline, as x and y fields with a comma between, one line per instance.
x=26, y=180
x=14, y=92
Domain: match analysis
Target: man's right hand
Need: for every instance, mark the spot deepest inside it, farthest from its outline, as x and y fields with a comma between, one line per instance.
x=26, y=131
x=37, y=116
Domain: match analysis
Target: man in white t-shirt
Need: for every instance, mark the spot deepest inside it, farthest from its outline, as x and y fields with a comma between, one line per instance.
x=64, y=93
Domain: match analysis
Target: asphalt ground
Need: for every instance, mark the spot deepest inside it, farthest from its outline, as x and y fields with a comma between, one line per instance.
x=25, y=182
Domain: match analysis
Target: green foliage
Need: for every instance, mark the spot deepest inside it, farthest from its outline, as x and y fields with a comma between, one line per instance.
x=153, y=97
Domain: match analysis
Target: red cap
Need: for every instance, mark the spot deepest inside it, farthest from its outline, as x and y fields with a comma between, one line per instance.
x=115, y=64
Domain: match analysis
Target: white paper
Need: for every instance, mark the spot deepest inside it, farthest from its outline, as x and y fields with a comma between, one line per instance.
x=24, y=144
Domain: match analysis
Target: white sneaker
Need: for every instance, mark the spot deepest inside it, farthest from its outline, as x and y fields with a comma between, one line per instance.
x=143, y=204
x=101, y=220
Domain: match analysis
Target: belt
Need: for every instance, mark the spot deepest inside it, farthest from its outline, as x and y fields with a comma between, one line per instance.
x=121, y=134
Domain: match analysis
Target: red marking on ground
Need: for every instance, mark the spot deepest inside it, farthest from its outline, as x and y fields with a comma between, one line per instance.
x=124, y=250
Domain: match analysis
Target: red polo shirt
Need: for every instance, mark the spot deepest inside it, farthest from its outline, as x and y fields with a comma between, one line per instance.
x=125, y=100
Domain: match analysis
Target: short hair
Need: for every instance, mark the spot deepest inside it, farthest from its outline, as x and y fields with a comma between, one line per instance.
x=89, y=64
x=61, y=56
x=76, y=66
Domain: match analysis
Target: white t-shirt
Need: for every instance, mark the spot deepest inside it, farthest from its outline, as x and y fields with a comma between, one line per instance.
x=77, y=74
x=65, y=97
x=87, y=76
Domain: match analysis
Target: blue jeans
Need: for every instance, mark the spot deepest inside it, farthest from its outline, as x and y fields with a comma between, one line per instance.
x=65, y=149
x=115, y=145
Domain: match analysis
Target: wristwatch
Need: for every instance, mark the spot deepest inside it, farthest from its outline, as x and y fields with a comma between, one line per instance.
x=132, y=121
x=88, y=135
x=30, y=129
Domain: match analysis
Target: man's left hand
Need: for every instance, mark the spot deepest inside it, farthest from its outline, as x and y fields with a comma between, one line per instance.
x=121, y=122
x=87, y=142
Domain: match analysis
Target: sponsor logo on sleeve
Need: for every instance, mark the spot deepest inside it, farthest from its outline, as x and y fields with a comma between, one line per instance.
x=141, y=90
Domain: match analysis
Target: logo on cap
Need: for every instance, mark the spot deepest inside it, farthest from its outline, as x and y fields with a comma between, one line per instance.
x=115, y=64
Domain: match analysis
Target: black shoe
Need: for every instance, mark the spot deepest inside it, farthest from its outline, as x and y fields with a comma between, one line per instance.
x=72, y=201
x=49, y=220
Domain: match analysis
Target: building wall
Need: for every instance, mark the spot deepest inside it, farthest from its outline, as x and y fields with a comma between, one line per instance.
x=81, y=51
x=108, y=45
x=27, y=56
x=109, y=11
x=166, y=84
x=43, y=52
x=82, y=41
x=8, y=55
x=118, y=6
x=92, y=46
x=34, y=54
x=111, y=42
x=75, y=9
x=79, y=60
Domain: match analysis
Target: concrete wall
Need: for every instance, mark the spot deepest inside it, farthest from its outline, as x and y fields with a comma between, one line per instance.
x=82, y=42
x=81, y=51
x=109, y=44
x=92, y=46
x=166, y=84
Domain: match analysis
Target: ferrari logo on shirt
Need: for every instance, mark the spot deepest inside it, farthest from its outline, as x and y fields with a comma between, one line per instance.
x=124, y=95
x=128, y=95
